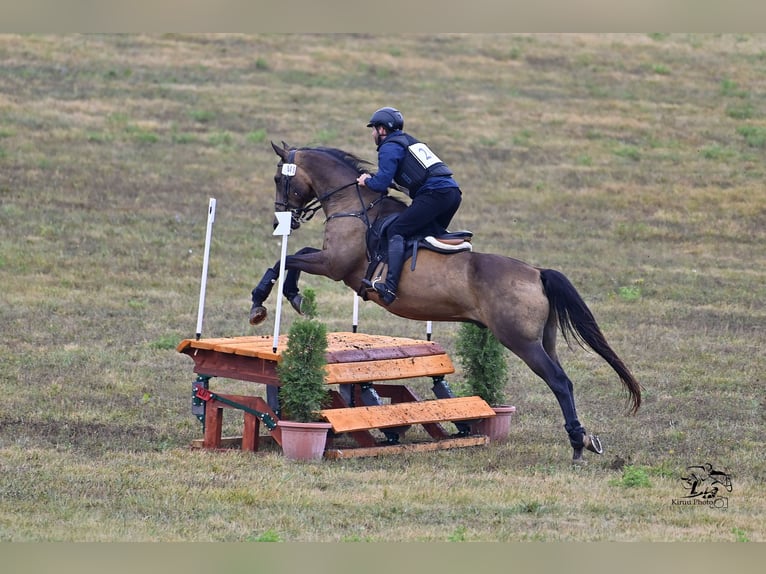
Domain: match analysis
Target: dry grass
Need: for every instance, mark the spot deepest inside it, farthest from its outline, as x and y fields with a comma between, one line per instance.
x=633, y=163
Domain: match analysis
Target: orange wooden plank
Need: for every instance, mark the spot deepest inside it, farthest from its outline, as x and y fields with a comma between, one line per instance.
x=340, y=342
x=352, y=357
x=389, y=370
x=399, y=414
x=211, y=344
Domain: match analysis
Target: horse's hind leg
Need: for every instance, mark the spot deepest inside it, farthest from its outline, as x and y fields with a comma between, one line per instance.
x=549, y=369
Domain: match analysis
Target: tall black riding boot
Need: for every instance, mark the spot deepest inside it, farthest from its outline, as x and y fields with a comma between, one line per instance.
x=387, y=290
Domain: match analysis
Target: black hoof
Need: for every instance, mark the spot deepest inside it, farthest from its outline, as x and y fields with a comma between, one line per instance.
x=296, y=301
x=257, y=314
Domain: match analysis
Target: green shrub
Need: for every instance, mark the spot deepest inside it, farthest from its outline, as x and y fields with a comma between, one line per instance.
x=483, y=360
x=632, y=477
x=302, y=369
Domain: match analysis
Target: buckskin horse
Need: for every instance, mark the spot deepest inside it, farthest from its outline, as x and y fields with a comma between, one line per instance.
x=522, y=305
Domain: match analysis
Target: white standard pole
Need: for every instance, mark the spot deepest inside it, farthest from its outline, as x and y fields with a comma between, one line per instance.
x=355, y=316
x=429, y=329
x=283, y=229
x=205, y=260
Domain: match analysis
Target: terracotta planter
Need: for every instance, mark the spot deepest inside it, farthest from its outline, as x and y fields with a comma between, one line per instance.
x=303, y=441
x=497, y=428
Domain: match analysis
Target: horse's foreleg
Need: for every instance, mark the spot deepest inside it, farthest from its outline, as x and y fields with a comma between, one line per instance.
x=261, y=293
x=290, y=289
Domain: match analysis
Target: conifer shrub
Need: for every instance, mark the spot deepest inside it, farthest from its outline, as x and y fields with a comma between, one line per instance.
x=483, y=359
x=302, y=369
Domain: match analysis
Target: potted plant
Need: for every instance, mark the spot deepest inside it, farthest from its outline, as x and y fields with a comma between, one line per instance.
x=303, y=391
x=483, y=359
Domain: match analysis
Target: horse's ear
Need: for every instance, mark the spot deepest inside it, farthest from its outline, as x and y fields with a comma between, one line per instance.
x=280, y=151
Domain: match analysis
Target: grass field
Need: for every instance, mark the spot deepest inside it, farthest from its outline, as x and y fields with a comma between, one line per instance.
x=632, y=163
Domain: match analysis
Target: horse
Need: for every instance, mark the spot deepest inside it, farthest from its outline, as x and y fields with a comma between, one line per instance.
x=522, y=305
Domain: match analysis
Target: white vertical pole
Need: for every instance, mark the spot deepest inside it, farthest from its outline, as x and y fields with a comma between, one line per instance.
x=283, y=229
x=429, y=329
x=355, y=317
x=205, y=260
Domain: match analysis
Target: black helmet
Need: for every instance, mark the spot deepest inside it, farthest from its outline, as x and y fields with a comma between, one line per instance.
x=390, y=118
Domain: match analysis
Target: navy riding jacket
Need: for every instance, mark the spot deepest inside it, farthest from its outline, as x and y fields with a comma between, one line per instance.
x=390, y=155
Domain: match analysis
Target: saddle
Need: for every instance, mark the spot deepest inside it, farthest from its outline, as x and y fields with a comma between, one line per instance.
x=440, y=241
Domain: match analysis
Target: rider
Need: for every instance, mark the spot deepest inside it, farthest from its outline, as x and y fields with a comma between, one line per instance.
x=412, y=165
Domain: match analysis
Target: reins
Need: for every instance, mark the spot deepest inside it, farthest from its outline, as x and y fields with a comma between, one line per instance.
x=307, y=212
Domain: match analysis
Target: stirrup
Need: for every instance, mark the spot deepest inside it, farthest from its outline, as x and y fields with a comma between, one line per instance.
x=386, y=295
x=379, y=286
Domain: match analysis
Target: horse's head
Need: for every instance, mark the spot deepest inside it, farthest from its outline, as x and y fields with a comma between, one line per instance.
x=310, y=179
x=293, y=187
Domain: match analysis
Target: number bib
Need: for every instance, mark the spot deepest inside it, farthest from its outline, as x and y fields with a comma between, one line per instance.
x=424, y=155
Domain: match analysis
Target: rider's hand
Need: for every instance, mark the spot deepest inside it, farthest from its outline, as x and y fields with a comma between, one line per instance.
x=362, y=178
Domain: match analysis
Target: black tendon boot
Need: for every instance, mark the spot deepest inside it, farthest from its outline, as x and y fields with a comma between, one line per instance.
x=442, y=390
x=387, y=290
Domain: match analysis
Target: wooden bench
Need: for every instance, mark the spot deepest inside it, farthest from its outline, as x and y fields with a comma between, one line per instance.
x=426, y=413
x=401, y=414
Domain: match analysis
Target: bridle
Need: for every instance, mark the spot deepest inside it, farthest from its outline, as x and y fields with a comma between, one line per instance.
x=307, y=212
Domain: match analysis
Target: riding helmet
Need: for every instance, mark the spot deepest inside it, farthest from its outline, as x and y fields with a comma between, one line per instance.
x=390, y=118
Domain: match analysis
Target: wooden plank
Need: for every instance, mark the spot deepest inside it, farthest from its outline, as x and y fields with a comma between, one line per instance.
x=214, y=342
x=389, y=370
x=341, y=347
x=460, y=442
x=214, y=364
x=384, y=416
x=354, y=355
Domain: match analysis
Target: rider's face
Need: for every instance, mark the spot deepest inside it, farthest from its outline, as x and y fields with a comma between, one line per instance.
x=378, y=133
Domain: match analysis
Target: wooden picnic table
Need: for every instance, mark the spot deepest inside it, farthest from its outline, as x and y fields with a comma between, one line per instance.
x=352, y=359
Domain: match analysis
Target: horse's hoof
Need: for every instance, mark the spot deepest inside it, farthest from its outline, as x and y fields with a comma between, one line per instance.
x=296, y=302
x=593, y=444
x=257, y=314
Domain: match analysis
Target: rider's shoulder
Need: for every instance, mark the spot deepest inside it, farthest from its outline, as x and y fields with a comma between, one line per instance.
x=398, y=137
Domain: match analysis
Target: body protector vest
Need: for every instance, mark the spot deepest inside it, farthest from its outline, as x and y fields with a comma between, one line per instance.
x=419, y=163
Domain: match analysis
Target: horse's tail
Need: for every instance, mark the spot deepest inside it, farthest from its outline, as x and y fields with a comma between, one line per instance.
x=576, y=319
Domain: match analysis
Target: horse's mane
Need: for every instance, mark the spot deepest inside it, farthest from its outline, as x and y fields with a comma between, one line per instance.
x=353, y=161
